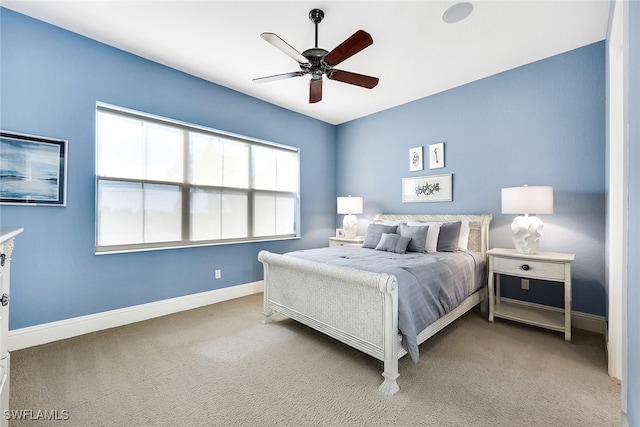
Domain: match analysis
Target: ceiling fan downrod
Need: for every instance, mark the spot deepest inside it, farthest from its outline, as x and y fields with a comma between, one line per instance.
x=316, y=16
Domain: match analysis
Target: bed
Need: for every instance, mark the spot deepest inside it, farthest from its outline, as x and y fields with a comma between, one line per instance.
x=361, y=306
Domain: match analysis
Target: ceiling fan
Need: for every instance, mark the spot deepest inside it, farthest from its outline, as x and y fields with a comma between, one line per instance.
x=318, y=62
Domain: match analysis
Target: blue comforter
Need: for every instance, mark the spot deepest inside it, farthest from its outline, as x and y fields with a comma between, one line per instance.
x=429, y=285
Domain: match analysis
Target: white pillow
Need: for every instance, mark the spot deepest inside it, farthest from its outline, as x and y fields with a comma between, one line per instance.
x=432, y=235
x=463, y=241
x=387, y=222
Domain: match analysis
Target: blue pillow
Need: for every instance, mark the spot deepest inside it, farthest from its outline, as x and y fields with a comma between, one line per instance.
x=418, y=235
x=374, y=233
x=392, y=242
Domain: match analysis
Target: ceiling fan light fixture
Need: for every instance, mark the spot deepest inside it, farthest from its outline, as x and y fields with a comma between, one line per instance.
x=457, y=12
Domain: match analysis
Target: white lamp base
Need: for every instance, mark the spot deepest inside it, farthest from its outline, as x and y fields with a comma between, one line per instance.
x=527, y=231
x=350, y=225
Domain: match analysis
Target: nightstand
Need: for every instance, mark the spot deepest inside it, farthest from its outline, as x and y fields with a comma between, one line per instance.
x=551, y=266
x=343, y=241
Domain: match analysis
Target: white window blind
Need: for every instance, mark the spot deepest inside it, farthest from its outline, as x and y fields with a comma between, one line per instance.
x=163, y=184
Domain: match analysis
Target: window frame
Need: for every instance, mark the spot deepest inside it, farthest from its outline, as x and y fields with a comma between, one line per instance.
x=185, y=187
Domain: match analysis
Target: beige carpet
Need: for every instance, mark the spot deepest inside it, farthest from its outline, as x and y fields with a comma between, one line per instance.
x=219, y=366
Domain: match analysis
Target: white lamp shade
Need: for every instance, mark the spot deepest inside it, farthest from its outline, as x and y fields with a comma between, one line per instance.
x=349, y=205
x=527, y=200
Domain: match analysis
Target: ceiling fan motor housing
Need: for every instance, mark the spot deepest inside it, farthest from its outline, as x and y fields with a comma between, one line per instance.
x=316, y=66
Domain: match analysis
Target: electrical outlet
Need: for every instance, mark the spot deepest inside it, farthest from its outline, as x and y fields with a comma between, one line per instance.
x=218, y=274
x=525, y=284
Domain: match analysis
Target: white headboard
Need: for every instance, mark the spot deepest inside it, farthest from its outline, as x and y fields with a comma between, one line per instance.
x=478, y=225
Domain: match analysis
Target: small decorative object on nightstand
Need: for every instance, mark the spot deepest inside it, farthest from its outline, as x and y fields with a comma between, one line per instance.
x=343, y=241
x=551, y=266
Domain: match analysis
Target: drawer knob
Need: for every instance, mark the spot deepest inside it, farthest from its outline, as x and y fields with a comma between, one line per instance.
x=525, y=267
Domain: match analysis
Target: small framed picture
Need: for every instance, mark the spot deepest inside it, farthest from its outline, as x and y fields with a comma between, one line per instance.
x=436, y=156
x=415, y=159
x=340, y=232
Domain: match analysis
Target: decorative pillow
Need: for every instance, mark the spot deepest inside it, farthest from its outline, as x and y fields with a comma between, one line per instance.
x=463, y=242
x=374, y=233
x=388, y=221
x=392, y=242
x=449, y=237
x=418, y=236
x=432, y=234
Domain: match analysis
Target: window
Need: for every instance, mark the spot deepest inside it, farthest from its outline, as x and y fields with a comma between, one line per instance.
x=163, y=184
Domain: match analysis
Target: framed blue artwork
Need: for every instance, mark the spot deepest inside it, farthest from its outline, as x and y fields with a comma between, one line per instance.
x=33, y=170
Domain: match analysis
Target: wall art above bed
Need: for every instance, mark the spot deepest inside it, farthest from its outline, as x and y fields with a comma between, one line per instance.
x=415, y=159
x=33, y=170
x=436, y=156
x=428, y=188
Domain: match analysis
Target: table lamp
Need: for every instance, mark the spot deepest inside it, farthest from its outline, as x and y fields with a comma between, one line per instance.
x=350, y=206
x=526, y=201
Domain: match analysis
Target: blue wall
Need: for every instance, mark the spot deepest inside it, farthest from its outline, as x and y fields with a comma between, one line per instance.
x=51, y=81
x=633, y=278
x=540, y=124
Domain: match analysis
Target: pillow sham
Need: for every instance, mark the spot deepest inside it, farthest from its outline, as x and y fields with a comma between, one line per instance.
x=418, y=236
x=432, y=235
x=449, y=237
x=388, y=221
x=374, y=233
x=463, y=242
x=392, y=242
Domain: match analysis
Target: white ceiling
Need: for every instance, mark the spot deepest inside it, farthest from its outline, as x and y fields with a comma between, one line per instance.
x=415, y=54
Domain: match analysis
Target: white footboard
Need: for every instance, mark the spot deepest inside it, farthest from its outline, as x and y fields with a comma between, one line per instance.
x=356, y=307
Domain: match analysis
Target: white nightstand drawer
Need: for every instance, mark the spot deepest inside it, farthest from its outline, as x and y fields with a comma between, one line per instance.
x=529, y=268
x=343, y=241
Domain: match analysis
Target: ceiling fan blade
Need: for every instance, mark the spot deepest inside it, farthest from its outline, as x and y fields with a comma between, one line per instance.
x=353, y=78
x=279, y=77
x=315, y=90
x=284, y=47
x=354, y=44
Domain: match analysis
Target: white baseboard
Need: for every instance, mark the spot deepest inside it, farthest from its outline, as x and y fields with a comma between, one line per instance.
x=579, y=320
x=54, y=331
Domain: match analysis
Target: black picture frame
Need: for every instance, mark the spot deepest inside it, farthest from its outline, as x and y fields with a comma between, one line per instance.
x=33, y=170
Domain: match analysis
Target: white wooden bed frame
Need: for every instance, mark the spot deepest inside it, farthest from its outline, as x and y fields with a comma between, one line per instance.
x=358, y=308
